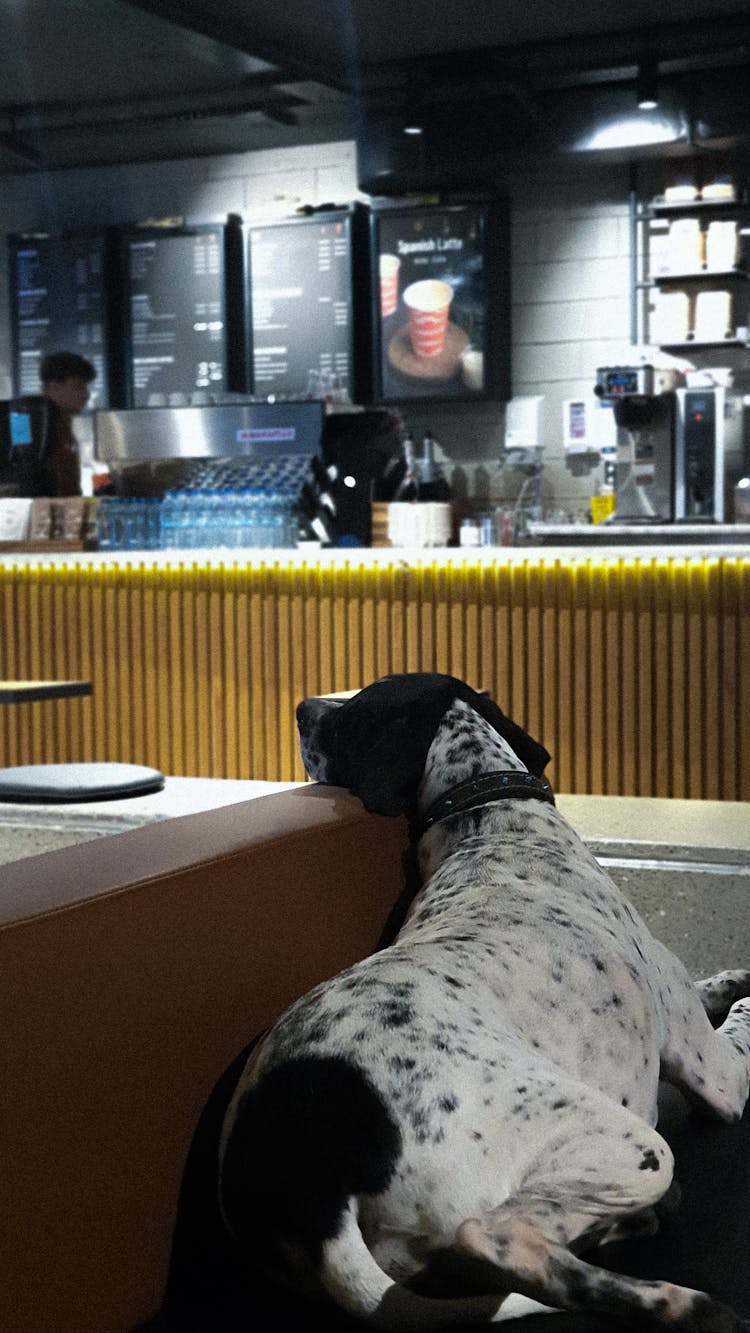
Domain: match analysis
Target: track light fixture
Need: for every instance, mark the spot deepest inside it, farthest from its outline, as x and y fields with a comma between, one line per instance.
x=648, y=93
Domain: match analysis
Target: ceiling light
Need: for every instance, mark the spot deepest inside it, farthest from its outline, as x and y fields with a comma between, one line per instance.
x=413, y=129
x=636, y=132
x=648, y=93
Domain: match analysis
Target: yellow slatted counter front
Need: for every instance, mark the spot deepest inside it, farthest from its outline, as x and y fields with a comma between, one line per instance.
x=633, y=671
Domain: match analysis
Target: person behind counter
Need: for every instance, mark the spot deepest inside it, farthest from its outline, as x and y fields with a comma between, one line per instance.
x=65, y=378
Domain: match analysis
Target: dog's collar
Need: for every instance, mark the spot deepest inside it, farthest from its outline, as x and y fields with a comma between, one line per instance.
x=476, y=792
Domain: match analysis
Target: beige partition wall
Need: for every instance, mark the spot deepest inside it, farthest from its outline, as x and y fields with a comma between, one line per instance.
x=635, y=673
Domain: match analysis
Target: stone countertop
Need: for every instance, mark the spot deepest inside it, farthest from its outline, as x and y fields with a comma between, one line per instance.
x=28, y=830
x=662, y=828
x=656, y=828
x=685, y=865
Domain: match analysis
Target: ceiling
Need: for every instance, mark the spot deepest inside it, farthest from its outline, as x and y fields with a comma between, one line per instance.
x=89, y=82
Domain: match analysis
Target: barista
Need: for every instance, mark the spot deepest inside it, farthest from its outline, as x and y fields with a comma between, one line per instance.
x=65, y=378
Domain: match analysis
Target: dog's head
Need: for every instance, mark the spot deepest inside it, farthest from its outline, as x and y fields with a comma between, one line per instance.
x=376, y=742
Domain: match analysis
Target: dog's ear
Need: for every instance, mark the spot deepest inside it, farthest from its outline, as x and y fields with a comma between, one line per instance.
x=383, y=735
x=379, y=739
x=384, y=770
x=530, y=752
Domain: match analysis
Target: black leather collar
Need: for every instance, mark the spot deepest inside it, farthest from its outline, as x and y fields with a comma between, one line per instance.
x=476, y=792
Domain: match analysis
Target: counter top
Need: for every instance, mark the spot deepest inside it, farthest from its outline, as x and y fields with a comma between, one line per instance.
x=634, y=825
x=640, y=534
x=373, y=557
x=685, y=864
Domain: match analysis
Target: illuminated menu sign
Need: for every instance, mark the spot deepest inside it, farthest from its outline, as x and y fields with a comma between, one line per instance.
x=59, y=303
x=301, y=304
x=177, y=312
x=430, y=285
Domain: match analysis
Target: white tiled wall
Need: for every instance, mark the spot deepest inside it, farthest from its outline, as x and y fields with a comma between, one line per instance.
x=569, y=257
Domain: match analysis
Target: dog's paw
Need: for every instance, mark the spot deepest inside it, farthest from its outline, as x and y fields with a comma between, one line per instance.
x=708, y=1316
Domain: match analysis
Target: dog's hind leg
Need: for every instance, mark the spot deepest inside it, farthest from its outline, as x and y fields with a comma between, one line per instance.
x=719, y=993
x=584, y=1182
x=544, y=1269
x=711, y=1066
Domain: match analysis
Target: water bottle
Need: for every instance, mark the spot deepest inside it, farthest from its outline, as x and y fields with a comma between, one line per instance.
x=195, y=520
x=275, y=520
x=103, y=524
x=183, y=522
x=167, y=521
x=153, y=506
x=262, y=519
x=221, y=517
x=207, y=517
x=116, y=522
x=249, y=517
x=234, y=518
x=128, y=535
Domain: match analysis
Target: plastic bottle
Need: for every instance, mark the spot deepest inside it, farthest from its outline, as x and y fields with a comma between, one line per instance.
x=432, y=484
x=408, y=488
x=103, y=523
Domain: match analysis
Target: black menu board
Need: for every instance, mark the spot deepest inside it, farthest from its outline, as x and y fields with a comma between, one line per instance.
x=176, y=303
x=301, y=306
x=59, y=293
x=436, y=284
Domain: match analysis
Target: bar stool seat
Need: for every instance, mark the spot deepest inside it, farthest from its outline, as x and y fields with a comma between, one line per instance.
x=50, y=784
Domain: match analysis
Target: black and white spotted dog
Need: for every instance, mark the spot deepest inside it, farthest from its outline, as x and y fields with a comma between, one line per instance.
x=478, y=1098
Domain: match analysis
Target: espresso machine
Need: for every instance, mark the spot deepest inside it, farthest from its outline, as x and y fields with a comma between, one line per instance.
x=680, y=450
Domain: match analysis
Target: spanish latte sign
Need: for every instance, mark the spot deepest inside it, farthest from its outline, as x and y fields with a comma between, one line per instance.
x=430, y=302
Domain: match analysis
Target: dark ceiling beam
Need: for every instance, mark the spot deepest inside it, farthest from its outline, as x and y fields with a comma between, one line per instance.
x=54, y=116
x=206, y=19
x=601, y=57
x=19, y=148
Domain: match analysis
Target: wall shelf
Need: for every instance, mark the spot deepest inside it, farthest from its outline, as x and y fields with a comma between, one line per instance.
x=701, y=280
x=665, y=208
x=701, y=275
x=698, y=345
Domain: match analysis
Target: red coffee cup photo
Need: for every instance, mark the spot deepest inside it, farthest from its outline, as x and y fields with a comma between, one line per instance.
x=428, y=303
x=389, y=267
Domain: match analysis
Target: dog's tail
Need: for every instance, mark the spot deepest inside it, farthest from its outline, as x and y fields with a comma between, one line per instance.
x=357, y=1283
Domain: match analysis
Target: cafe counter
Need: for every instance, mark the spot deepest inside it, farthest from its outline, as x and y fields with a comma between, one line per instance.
x=630, y=662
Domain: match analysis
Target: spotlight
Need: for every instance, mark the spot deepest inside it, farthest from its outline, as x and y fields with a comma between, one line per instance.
x=648, y=96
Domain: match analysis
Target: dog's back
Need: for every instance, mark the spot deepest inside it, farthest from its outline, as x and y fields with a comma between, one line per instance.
x=483, y=1091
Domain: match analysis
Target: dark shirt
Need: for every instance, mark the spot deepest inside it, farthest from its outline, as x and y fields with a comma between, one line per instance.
x=60, y=464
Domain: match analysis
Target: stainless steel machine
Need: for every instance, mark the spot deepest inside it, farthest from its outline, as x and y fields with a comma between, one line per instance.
x=680, y=450
x=150, y=450
x=710, y=453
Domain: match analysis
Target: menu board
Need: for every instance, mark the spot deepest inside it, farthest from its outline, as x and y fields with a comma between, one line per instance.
x=301, y=307
x=431, y=313
x=59, y=302
x=177, y=312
